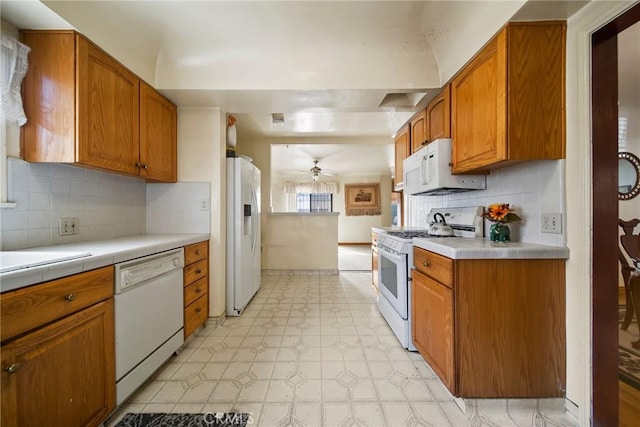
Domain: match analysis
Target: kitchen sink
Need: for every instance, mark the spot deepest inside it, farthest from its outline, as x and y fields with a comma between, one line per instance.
x=20, y=260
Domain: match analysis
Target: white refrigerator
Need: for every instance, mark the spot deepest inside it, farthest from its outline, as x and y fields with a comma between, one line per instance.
x=243, y=233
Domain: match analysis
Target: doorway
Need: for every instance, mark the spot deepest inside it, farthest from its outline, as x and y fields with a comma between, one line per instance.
x=604, y=108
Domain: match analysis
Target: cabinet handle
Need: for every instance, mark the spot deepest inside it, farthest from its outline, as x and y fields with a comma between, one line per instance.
x=198, y=310
x=425, y=142
x=198, y=251
x=13, y=368
x=142, y=165
x=70, y=297
x=198, y=271
x=426, y=264
x=198, y=290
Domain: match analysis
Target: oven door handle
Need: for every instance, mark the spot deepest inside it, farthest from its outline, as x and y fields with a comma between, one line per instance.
x=396, y=258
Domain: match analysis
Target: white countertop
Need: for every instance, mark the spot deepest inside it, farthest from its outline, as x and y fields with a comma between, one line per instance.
x=304, y=213
x=396, y=228
x=461, y=248
x=102, y=253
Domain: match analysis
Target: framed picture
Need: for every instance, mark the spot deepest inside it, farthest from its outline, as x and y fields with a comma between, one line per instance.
x=362, y=199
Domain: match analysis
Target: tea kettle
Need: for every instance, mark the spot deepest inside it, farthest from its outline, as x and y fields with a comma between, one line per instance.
x=439, y=227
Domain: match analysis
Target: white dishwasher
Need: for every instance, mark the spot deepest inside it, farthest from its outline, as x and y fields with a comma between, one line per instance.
x=148, y=316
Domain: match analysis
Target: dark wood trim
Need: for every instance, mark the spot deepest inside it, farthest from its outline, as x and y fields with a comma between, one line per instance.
x=605, y=215
x=618, y=25
x=604, y=113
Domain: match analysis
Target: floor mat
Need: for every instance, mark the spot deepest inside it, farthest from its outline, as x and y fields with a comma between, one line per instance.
x=210, y=419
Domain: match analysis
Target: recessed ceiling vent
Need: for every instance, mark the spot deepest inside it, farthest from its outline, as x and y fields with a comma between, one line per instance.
x=277, y=119
x=402, y=99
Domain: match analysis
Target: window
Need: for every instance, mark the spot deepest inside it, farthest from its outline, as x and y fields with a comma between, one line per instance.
x=314, y=202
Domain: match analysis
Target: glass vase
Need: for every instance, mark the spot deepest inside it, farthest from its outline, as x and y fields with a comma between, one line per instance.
x=499, y=232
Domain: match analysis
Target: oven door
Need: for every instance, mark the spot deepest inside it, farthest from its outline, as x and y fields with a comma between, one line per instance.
x=393, y=280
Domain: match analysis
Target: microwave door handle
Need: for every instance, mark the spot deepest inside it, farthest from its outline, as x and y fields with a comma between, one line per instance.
x=425, y=170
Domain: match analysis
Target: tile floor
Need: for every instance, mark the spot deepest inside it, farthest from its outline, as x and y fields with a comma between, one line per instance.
x=354, y=258
x=313, y=350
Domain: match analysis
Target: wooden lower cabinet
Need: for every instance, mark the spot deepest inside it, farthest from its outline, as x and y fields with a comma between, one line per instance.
x=497, y=330
x=432, y=326
x=62, y=374
x=196, y=286
x=58, y=352
x=374, y=260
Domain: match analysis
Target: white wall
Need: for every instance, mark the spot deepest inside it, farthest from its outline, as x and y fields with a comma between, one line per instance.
x=201, y=158
x=301, y=242
x=578, y=199
x=351, y=229
x=357, y=229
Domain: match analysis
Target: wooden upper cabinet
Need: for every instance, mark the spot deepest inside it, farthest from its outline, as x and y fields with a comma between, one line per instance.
x=108, y=111
x=401, y=152
x=419, y=130
x=84, y=107
x=507, y=103
x=158, y=135
x=438, y=114
x=433, y=122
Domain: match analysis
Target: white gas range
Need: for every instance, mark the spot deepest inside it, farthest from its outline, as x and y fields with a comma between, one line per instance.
x=395, y=252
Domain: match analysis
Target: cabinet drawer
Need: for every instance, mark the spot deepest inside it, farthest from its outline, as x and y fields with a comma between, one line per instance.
x=27, y=308
x=195, y=271
x=195, y=290
x=433, y=265
x=196, y=314
x=196, y=252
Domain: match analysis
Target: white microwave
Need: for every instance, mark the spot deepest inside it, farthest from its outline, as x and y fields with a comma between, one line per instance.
x=428, y=171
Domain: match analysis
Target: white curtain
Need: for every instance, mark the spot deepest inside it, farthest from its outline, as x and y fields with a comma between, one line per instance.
x=311, y=187
x=14, y=67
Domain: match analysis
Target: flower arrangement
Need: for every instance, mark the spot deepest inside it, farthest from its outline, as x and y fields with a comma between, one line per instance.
x=500, y=214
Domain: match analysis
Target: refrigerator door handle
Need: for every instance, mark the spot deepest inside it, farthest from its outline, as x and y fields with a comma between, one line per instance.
x=254, y=218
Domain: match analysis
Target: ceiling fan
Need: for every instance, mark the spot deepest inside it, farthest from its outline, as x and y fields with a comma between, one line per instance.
x=316, y=171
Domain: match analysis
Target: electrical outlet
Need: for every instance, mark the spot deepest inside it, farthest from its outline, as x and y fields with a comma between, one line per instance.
x=552, y=223
x=204, y=204
x=68, y=226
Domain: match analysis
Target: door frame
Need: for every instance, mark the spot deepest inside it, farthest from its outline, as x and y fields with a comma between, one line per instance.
x=604, y=168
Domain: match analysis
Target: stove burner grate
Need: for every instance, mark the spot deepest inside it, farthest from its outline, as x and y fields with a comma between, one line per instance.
x=410, y=234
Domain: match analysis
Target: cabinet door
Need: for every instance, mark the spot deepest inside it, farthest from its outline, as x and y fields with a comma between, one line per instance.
x=64, y=373
x=478, y=109
x=438, y=116
x=419, y=131
x=158, y=136
x=108, y=111
x=402, y=151
x=432, y=325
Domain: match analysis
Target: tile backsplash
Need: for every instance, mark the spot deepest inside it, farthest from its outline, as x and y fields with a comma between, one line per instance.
x=531, y=189
x=107, y=205
x=182, y=207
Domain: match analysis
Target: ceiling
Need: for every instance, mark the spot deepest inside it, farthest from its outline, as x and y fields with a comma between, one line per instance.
x=326, y=65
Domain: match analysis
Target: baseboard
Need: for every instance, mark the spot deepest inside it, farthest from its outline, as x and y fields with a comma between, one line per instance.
x=272, y=272
x=354, y=243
